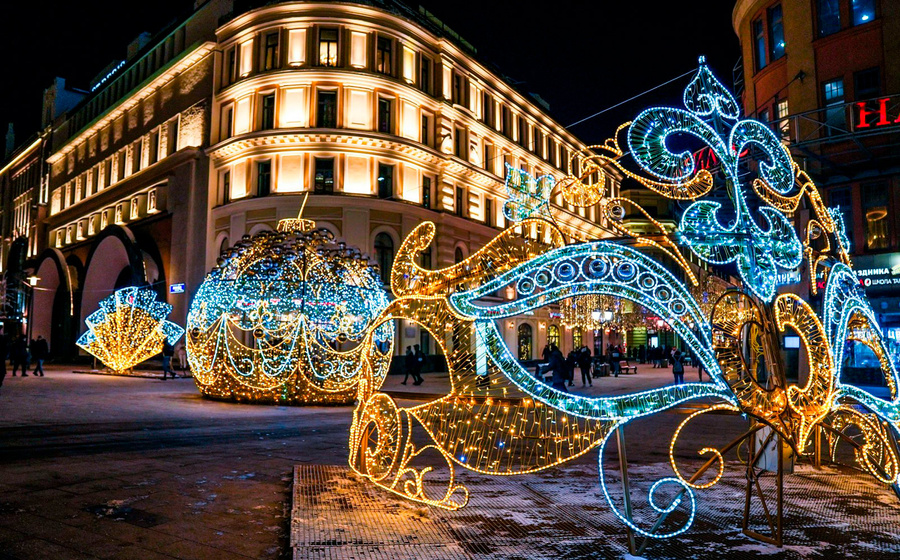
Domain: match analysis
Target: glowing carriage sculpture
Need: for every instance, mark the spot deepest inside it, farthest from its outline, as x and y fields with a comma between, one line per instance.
x=280, y=318
x=498, y=419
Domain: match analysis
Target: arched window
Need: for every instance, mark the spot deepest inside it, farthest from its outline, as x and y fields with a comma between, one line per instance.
x=223, y=246
x=577, y=337
x=525, y=341
x=553, y=335
x=384, y=256
x=458, y=255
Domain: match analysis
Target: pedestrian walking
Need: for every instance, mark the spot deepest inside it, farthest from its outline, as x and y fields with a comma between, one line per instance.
x=678, y=367
x=167, y=352
x=584, y=362
x=409, y=365
x=615, y=360
x=19, y=355
x=420, y=364
x=40, y=351
x=181, y=354
x=570, y=367
x=557, y=365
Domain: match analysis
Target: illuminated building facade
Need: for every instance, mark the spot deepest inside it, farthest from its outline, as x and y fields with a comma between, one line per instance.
x=216, y=127
x=826, y=74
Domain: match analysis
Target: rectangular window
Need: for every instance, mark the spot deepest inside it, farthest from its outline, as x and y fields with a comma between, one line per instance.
x=153, y=148
x=460, y=201
x=427, y=129
x=505, y=121
x=385, y=109
x=489, y=211
x=487, y=109
x=426, y=192
x=326, y=109
x=862, y=11
x=460, y=143
x=224, y=194
x=385, y=180
x=764, y=116
x=759, y=44
x=460, y=90
x=537, y=144
x=230, y=73
x=384, y=55
x=784, y=124
x=263, y=178
x=875, y=210
x=867, y=84
x=425, y=74
x=488, y=157
x=776, y=32
x=551, y=152
x=270, y=55
x=323, y=182
x=522, y=140
x=328, y=47
x=227, y=126
x=833, y=95
x=267, y=115
x=828, y=15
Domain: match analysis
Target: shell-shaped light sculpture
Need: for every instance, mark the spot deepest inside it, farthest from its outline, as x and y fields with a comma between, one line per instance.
x=129, y=327
x=281, y=317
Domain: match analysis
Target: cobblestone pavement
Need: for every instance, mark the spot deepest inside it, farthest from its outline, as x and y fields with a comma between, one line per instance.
x=98, y=466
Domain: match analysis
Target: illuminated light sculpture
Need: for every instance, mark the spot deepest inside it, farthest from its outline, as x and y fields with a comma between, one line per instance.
x=280, y=318
x=129, y=327
x=499, y=419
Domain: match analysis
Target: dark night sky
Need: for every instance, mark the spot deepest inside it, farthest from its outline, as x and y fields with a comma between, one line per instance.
x=580, y=56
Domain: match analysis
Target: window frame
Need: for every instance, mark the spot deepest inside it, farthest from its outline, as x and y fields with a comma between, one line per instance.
x=329, y=62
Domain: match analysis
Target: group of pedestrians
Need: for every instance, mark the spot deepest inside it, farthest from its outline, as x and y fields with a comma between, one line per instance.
x=20, y=353
x=563, y=367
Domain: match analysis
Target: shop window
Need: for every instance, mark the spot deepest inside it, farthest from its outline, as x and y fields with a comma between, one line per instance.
x=828, y=16
x=875, y=209
x=323, y=181
x=553, y=336
x=525, y=341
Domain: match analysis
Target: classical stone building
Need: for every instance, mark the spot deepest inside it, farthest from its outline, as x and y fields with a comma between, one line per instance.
x=219, y=126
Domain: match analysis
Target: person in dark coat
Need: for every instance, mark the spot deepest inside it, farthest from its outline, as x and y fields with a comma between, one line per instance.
x=409, y=365
x=642, y=354
x=168, y=351
x=420, y=363
x=584, y=362
x=678, y=367
x=19, y=355
x=558, y=366
x=40, y=351
x=570, y=367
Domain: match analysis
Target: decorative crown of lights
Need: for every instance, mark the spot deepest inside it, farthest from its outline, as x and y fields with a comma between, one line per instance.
x=499, y=419
x=280, y=318
x=129, y=327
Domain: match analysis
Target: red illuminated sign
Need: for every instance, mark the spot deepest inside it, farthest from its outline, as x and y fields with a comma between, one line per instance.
x=867, y=118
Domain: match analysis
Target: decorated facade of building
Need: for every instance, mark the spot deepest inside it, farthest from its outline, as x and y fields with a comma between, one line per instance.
x=218, y=126
x=826, y=75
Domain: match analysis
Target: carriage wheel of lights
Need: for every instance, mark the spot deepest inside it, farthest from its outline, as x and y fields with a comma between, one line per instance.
x=280, y=318
x=129, y=327
x=498, y=419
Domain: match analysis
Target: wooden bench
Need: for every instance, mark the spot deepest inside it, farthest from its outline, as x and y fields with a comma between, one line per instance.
x=627, y=369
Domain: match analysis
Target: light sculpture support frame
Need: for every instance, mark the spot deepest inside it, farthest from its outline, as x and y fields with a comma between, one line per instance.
x=498, y=419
